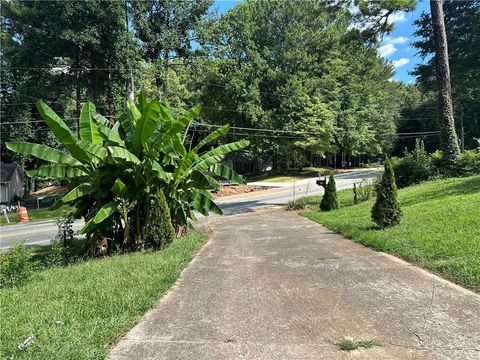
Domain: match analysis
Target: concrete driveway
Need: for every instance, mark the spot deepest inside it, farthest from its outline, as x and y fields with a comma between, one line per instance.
x=274, y=285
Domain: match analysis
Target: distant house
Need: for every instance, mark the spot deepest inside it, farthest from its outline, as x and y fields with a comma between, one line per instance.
x=11, y=182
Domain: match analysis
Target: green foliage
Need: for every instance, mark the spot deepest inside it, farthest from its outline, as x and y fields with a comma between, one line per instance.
x=16, y=265
x=386, y=211
x=298, y=204
x=468, y=163
x=349, y=344
x=362, y=191
x=160, y=231
x=261, y=64
x=374, y=16
x=414, y=167
x=463, y=30
x=330, y=200
x=116, y=170
x=272, y=69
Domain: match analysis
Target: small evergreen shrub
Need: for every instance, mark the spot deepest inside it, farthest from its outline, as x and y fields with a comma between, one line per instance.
x=414, y=167
x=330, y=200
x=386, y=210
x=160, y=232
x=16, y=266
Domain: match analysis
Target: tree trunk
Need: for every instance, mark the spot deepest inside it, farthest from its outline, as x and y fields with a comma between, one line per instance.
x=448, y=136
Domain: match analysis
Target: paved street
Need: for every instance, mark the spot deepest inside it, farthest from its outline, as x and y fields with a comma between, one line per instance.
x=274, y=285
x=34, y=233
x=285, y=192
x=39, y=233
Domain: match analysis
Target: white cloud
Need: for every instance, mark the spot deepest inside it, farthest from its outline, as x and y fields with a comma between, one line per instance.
x=386, y=50
x=397, y=17
x=400, y=62
x=396, y=40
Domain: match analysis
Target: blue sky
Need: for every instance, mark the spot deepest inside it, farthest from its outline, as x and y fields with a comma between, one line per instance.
x=395, y=47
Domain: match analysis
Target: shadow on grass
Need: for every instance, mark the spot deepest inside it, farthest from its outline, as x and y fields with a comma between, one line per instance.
x=448, y=189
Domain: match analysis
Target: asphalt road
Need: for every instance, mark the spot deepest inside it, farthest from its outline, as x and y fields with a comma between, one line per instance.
x=287, y=191
x=41, y=233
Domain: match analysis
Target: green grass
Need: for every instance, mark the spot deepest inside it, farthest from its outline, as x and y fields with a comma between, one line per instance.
x=350, y=344
x=97, y=301
x=35, y=215
x=440, y=229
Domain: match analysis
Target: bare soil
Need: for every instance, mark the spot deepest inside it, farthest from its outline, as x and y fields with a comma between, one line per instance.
x=241, y=189
x=49, y=190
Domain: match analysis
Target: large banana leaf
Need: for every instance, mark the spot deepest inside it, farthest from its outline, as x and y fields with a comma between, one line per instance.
x=56, y=172
x=158, y=169
x=179, y=124
x=88, y=126
x=146, y=125
x=79, y=191
x=119, y=188
x=198, y=181
x=212, y=137
x=61, y=131
x=184, y=165
x=111, y=135
x=119, y=153
x=227, y=173
x=203, y=203
x=43, y=152
x=178, y=146
x=126, y=123
x=101, y=120
x=213, y=156
x=105, y=212
x=95, y=150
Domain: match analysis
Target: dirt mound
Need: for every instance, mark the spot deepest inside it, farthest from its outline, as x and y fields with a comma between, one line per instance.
x=49, y=190
x=241, y=189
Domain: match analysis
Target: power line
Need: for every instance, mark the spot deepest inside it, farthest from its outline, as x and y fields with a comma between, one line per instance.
x=260, y=129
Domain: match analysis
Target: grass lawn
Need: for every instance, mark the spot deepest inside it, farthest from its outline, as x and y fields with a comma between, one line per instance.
x=96, y=302
x=35, y=215
x=440, y=229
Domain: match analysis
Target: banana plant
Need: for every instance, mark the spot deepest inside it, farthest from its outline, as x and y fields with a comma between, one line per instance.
x=115, y=169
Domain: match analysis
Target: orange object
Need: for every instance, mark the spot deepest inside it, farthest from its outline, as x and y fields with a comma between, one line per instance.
x=22, y=214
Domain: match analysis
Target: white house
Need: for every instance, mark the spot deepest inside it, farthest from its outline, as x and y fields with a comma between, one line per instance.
x=11, y=182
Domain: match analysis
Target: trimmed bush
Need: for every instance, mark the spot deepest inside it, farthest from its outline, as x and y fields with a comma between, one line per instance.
x=386, y=211
x=414, y=167
x=160, y=233
x=468, y=163
x=16, y=266
x=330, y=200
